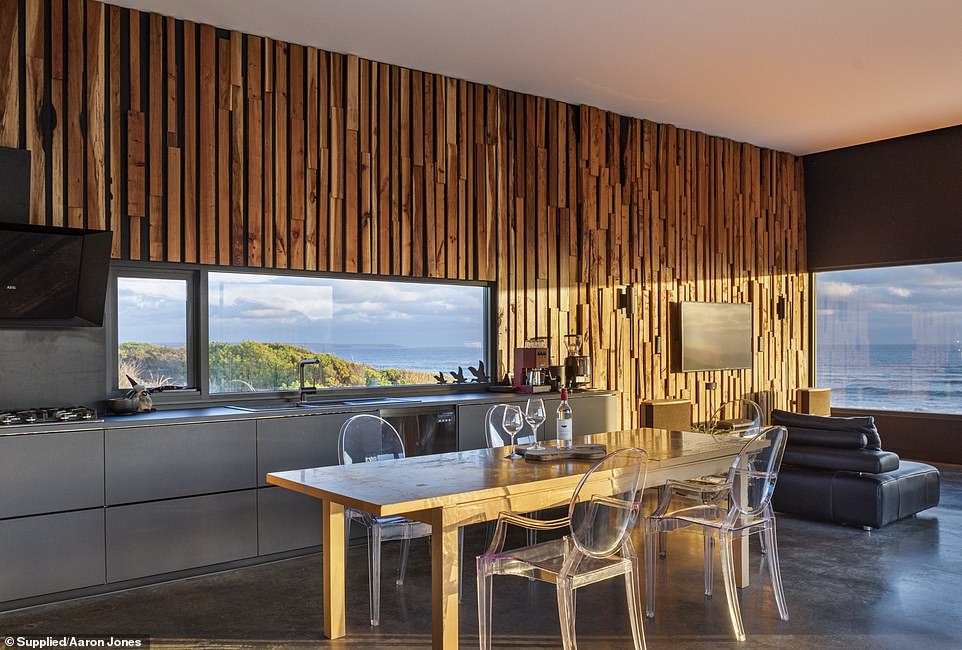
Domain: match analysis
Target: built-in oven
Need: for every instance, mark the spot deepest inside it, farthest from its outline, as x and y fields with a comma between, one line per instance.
x=425, y=429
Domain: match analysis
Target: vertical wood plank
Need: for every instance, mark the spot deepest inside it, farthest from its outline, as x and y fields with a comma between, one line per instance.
x=255, y=159
x=156, y=145
x=280, y=156
x=174, y=153
x=207, y=156
x=75, y=106
x=238, y=230
x=351, y=200
x=189, y=155
x=9, y=74
x=223, y=151
x=57, y=136
x=296, y=147
x=312, y=149
x=34, y=63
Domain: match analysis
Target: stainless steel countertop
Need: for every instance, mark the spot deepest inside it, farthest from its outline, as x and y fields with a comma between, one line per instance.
x=222, y=413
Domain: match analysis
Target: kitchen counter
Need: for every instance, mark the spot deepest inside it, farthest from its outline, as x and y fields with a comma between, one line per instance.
x=196, y=414
x=90, y=507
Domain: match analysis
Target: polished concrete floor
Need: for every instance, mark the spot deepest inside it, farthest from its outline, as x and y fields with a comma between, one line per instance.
x=898, y=587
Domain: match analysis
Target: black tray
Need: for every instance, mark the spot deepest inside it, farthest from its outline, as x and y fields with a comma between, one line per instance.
x=577, y=452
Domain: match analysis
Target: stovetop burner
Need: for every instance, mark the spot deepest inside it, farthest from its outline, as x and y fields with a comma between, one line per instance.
x=47, y=415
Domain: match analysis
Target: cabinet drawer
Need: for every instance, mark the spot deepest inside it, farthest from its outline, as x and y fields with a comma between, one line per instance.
x=48, y=472
x=151, y=538
x=51, y=553
x=297, y=443
x=162, y=462
x=286, y=520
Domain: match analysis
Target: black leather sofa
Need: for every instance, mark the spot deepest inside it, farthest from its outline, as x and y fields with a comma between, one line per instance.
x=834, y=469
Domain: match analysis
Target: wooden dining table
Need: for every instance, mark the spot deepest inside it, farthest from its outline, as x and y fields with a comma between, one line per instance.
x=456, y=489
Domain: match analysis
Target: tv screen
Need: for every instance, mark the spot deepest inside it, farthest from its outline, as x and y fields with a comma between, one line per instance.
x=715, y=336
x=52, y=277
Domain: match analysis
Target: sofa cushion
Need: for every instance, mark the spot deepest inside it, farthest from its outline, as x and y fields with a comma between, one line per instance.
x=860, y=424
x=868, y=461
x=826, y=438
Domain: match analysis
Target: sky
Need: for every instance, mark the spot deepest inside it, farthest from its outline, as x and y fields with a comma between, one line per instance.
x=304, y=311
x=906, y=304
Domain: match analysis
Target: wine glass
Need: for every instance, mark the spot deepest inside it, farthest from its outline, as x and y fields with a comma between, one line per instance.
x=512, y=422
x=534, y=415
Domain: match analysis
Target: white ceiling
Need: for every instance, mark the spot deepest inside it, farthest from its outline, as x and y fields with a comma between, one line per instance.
x=797, y=75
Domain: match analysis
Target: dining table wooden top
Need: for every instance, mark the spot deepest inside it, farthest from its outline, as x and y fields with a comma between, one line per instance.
x=405, y=485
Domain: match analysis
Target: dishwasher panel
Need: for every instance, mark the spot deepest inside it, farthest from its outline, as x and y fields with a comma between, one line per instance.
x=425, y=430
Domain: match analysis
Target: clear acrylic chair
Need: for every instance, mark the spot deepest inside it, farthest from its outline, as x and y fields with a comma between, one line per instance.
x=744, y=509
x=738, y=417
x=601, y=514
x=363, y=439
x=496, y=436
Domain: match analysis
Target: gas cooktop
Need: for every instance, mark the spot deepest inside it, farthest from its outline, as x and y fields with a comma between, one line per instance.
x=48, y=415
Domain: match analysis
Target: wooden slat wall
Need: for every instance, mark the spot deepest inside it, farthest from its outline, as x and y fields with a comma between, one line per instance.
x=202, y=145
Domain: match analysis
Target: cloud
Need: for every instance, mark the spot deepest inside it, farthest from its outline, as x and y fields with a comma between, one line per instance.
x=832, y=289
x=900, y=292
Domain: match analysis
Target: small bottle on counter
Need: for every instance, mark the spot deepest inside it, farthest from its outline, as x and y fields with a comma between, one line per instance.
x=564, y=421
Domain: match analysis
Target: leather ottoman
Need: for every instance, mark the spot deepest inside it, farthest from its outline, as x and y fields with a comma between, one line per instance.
x=857, y=498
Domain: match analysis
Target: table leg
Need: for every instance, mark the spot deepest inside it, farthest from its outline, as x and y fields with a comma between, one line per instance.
x=444, y=581
x=335, y=616
x=740, y=555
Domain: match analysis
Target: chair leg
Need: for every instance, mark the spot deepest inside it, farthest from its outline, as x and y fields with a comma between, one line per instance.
x=731, y=590
x=403, y=565
x=485, y=605
x=460, y=562
x=709, y=560
x=651, y=539
x=635, y=616
x=374, y=573
x=566, y=615
x=663, y=544
x=769, y=536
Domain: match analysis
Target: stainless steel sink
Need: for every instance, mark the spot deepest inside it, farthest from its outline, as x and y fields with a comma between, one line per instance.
x=260, y=408
x=293, y=406
x=372, y=401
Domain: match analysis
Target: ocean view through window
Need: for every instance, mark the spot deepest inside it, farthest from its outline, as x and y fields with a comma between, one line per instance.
x=891, y=338
x=365, y=332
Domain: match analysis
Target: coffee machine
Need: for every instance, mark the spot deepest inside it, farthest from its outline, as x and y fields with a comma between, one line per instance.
x=531, y=366
x=577, y=365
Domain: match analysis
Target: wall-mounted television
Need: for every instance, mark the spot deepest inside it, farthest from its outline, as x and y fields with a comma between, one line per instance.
x=714, y=336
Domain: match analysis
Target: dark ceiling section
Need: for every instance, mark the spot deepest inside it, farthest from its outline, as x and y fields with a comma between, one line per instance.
x=886, y=203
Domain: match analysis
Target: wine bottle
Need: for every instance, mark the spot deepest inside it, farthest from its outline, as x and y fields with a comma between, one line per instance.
x=564, y=421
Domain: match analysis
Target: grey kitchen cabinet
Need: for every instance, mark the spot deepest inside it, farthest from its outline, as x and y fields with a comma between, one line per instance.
x=286, y=520
x=592, y=414
x=45, y=554
x=51, y=472
x=147, y=539
x=297, y=442
x=166, y=461
x=471, y=426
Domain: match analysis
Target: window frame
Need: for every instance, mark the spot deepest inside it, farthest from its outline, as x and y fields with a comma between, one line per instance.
x=111, y=322
x=198, y=368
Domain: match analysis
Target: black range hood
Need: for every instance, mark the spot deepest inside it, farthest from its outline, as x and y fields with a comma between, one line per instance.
x=52, y=277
